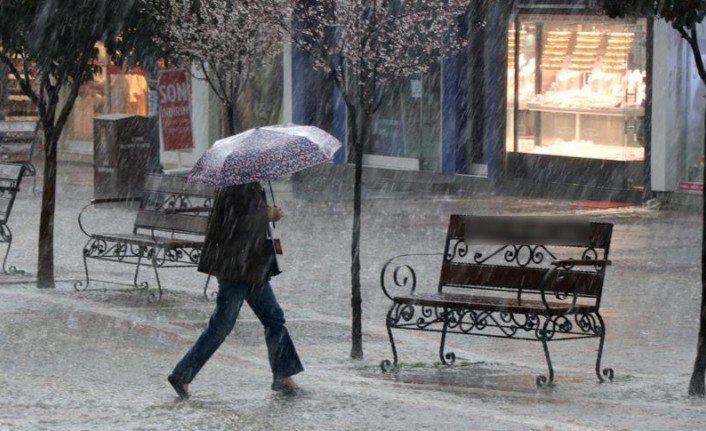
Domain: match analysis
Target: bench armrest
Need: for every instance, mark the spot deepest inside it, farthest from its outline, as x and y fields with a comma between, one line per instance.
x=101, y=201
x=399, y=274
x=554, y=275
x=551, y=276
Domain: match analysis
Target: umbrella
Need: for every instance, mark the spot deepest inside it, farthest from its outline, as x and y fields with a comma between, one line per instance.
x=264, y=153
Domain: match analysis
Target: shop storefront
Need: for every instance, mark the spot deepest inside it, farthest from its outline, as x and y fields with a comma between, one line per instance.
x=114, y=90
x=111, y=91
x=611, y=104
x=577, y=92
x=563, y=96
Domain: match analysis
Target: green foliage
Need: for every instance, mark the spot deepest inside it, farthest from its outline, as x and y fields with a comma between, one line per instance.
x=58, y=37
x=679, y=13
x=141, y=42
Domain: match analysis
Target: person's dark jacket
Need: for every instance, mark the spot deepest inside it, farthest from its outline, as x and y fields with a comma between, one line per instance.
x=236, y=247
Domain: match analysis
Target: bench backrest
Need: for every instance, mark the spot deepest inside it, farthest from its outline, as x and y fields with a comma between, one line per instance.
x=164, y=192
x=512, y=254
x=10, y=179
x=18, y=138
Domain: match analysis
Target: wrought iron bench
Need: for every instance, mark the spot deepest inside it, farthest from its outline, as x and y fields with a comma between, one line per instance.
x=168, y=231
x=10, y=178
x=509, y=277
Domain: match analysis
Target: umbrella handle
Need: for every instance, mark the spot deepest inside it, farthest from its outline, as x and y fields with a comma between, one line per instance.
x=273, y=200
x=271, y=192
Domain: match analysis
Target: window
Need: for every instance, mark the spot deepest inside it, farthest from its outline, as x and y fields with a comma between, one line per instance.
x=407, y=124
x=576, y=87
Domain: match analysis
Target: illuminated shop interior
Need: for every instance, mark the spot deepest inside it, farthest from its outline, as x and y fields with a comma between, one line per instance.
x=112, y=90
x=577, y=87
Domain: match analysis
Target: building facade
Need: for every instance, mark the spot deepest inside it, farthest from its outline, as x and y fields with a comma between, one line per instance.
x=549, y=92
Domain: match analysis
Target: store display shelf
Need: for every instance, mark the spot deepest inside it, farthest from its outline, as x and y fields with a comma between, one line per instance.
x=583, y=150
x=614, y=112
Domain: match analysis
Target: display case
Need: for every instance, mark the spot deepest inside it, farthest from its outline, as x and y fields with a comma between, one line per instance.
x=577, y=87
x=14, y=104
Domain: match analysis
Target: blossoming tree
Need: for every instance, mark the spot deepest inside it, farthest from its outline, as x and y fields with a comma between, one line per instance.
x=366, y=46
x=226, y=40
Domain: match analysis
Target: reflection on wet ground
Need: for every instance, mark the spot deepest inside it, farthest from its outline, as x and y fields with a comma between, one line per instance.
x=99, y=359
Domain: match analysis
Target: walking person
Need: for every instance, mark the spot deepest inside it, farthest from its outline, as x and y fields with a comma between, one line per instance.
x=239, y=254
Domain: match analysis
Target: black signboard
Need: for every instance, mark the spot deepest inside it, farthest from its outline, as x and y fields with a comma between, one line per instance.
x=122, y=155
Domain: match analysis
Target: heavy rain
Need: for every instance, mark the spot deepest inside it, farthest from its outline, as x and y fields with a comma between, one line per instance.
x=352, y=214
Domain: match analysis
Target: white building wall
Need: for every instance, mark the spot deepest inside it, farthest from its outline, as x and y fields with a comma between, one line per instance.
x=669, y=103
x=696, y=108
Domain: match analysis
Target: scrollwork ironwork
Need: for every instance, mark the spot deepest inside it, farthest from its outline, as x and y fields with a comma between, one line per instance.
x=460, y=249
x=6, y=238
x=5, y=233
x=400, y=275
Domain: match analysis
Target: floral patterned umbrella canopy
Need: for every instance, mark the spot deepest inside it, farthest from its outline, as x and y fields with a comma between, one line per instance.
x=264, y=153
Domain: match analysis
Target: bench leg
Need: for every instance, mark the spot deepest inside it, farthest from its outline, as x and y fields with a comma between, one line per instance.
x=78, y=286
x=6, y=237
x=385, y=365
x=544, y=381
x=606, y=372
x=144, y=284
x=448, y=358
x=151, y=298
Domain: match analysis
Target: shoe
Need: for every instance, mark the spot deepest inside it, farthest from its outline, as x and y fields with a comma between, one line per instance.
x=179, y=387
x=285, y=386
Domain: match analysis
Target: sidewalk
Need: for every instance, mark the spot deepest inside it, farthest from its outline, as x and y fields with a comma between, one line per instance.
x=99, y=359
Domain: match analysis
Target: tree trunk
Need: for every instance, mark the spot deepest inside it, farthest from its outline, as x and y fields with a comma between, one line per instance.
x=357, y=140
x=231, y=120
x=696, y=385
x=45, y=263
x=155, y=165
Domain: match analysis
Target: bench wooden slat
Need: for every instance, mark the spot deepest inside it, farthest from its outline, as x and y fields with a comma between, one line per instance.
x=10, y=173
x=6, y=200
x=509, y=277
x=181, y=223
x=16, y=139
x=598, y=237
x=147, y=240
x=492, y=303
x=176, y=184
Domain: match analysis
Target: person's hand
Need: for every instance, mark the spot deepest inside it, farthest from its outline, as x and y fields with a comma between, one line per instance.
x=274, y=214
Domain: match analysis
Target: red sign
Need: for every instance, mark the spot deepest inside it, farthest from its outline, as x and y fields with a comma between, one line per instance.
x=175, y=110
x=691, y=187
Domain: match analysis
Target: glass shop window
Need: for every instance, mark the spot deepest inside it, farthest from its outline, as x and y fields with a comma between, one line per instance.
x=407, y=124
x=576, y=87
x=112, y=90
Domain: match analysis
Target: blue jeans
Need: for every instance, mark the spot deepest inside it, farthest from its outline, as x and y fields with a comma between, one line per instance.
x=284, y=360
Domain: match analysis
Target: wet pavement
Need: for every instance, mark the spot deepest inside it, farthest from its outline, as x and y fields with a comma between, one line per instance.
x=99, y=359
